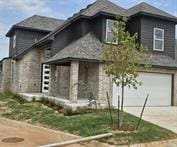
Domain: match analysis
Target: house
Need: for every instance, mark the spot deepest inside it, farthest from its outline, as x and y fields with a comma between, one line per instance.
x=53, y=56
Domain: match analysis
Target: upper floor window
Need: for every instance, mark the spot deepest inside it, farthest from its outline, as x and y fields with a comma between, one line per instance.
x=47, y=53
x=14, y=41
x=35, y=40
x=110, y=37
x=158, y=44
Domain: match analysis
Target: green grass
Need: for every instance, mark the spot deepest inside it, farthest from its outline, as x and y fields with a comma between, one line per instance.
x=83, y=125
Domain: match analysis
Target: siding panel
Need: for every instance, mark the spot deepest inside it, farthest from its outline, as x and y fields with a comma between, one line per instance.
x=147, y=27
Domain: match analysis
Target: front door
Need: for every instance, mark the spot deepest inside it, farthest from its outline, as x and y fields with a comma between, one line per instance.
x=45, y=78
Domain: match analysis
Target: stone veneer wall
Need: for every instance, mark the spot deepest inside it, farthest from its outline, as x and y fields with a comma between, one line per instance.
x=59, y=80
x=88, y=79
x=0, y=77
x=63, y=80
x=6, y=75
x=26, y=73
x=105, y=84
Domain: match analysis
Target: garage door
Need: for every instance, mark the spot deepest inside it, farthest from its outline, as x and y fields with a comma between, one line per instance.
x=157, y=85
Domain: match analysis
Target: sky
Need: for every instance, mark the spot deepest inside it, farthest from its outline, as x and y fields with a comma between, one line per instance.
x=14, y=11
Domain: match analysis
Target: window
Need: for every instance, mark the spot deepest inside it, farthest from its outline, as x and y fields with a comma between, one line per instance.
x=14, y=41
x=158, y=44
x=47, y=53
x=110, y=38
x=35, y=40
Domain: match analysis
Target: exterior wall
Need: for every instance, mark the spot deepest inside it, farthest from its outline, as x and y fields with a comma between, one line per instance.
x=6, y=75
x=26, y=73
x=88, y=79
x=0, y=77
x=53, y=81
x=105, y=84
x=59, y=80
x=147, y=27
x=63, y=80
x=134, y=26
x=69, y=34
x=99, y=27
x=24, y=40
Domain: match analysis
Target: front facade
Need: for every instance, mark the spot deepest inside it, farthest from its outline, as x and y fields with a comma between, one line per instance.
x=63, y=58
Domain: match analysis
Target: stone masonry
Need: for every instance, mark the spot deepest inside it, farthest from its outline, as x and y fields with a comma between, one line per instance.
x=74, y=75
x=104, y=84
x=0, y=76
x=24, y=75
x=6, y=74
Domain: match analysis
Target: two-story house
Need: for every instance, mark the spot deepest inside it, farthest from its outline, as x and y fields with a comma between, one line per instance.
x=53, y=56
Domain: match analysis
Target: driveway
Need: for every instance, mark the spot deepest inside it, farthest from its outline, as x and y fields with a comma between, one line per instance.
x=165, y=117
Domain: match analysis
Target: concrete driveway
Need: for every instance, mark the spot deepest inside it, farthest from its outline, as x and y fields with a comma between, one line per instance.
x=165, y=117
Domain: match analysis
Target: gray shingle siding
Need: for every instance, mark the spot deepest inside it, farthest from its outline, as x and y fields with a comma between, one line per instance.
x=71, y=33
x=98, y=27
x=24, y=40
x=134, y=26
x=147, y=27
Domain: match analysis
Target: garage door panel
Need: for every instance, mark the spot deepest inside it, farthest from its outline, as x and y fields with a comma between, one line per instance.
x=158, y=86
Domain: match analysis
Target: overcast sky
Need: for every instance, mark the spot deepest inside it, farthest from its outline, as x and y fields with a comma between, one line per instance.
x=13, y=11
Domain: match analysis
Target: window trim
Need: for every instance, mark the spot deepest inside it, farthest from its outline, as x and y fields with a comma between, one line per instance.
x=14, y=40
x=107, y=20
x=45, y=50
x=154, y=39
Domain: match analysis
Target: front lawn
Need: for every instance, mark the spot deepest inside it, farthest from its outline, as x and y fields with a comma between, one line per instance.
x=83, y=125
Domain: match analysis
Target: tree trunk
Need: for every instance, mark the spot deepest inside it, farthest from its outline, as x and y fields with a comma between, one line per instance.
x=122, y=103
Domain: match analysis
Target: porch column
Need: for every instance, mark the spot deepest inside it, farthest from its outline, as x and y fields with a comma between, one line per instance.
x=74, y=72
x=175, y=89
x=104, y=84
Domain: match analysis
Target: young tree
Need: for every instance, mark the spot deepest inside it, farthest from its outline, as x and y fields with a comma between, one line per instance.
x=124, y=59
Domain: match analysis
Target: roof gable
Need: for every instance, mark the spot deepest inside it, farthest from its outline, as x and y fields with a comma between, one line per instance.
x=146, y=8
x=37, y=22
x=103, y=6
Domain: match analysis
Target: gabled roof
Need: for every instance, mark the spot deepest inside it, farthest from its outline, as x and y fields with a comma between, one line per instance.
x=103, y=6
x=86, y=48
x=37, y=22
x=100, y=6
x=146, y=8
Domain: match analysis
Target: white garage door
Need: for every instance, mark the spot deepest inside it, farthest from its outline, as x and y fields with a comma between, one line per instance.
x=158, y=86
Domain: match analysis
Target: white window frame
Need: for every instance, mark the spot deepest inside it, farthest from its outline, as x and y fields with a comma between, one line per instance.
x=35, y=40
x=14, y=41
x=107, y=30
x=154, y=39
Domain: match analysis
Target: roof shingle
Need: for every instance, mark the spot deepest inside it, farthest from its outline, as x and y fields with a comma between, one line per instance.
x=87, y=47
x=37, y=22
x=144, y=7
x=90, y=48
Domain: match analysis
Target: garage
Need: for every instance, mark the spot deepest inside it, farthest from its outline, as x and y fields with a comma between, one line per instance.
x=158, y=86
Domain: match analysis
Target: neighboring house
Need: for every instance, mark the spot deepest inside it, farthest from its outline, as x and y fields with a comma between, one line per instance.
x=52, y=56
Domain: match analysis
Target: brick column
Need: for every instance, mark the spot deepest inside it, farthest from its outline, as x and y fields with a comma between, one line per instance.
x=175, y=89
x=104, y=84
x=6, y=75
x=74, y=73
